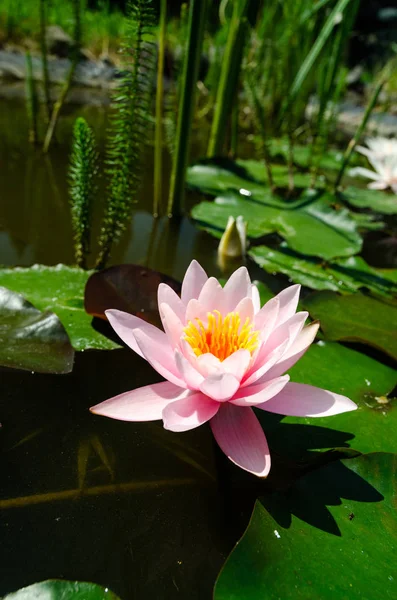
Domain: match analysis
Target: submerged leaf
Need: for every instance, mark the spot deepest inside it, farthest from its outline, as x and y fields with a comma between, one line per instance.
x=56, y=589
x=130, y=288
x=30, y=339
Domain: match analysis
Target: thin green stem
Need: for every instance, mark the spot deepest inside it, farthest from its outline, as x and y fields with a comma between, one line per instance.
x=44, y=60
x=158, y=145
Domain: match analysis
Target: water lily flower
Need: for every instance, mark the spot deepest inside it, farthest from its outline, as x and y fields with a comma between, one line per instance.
x=382, y=154
x=234, y=239
x=222, y=355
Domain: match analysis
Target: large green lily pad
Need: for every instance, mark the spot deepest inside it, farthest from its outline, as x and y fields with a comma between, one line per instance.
x=375, y=200
x=59, y=289
x=345, y=275
x=313, y=227
x=56, y=589
x=333, y=535
x=356, y=318
x=30, y=339
x=366, y=381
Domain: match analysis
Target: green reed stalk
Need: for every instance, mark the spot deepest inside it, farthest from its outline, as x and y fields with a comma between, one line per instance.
x=69, y=78
x=196, y=26
x=32, y=103
x=44, y=59
x=82, y=187
x=360, y=129
x=158, y=145
x=229, y=77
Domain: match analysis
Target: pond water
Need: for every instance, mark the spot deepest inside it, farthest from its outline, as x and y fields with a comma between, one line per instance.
x=129, y=506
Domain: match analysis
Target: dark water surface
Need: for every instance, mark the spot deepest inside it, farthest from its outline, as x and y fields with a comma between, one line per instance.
x=129, y=506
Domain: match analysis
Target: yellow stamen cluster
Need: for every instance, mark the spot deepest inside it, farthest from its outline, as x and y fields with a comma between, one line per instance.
x=222, y=336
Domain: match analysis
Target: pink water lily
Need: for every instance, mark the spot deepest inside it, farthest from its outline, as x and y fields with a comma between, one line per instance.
x=221, y=355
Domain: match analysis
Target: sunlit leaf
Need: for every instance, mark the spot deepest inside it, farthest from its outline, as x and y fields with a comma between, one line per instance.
x=345, y=275
x=375, y=200
x=331, y=536
x=55, y=589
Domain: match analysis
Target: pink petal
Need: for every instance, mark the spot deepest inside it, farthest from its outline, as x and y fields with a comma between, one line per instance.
x=172, y=325
x=194, y=311
x=194, y=280
x=220, y=386
x=302, y=343
x=241, y=438
x=256, y=299
x=166, y=295
x=290, y=329
x=190, y=412
x=266, y=318
x=211, y=296
x=300, y=400
x=161, y=357
x=378, y=185
x=245, y=309
x=237, y=363
x=288, y=299
x=188, y=373
x=143, y=404
x=208, y=364
x=124, y=325
x=236, y=288
x=257, y=394
x=263, y=364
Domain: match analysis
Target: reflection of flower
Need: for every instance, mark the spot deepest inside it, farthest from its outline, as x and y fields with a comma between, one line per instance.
x=382, y=154
x=222, y=354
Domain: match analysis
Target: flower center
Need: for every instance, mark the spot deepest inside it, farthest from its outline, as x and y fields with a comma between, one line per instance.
x=222, y=336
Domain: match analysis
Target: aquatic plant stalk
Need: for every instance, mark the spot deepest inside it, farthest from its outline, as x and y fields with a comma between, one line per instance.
x=129, y=125
x=44, y=59
x=360, y=129
x=158, y=145
x=82, y=187
x=196, y=25
x=69, y=78
x=229, y=77
x=32, y=103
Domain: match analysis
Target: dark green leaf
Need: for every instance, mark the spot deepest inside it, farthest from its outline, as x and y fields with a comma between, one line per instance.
x=344, y=275
x=30, y=339
x=373, y=199
x=356, y=318
x=59, y=289
x=56, y=589
x=332, y=536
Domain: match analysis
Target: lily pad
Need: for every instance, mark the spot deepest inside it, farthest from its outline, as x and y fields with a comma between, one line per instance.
x=330, y=160
x=130, y=288
x=311, y=227
x=356, y=318
x=56, y=589
x=375, y=200
x=30, y=339
x=331, y=536
x=366, y=381
x=345, y=275
x=59, y=289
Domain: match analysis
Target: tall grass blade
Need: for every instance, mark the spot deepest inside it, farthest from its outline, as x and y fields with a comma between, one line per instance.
x=158, y=144
x=44, y=59
x=196, y=25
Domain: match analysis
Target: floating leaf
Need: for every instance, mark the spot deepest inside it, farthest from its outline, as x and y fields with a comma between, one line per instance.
x=343, y=275
x=331, y=536
x=56, y=589
x=30, y=339
x=130, y=288
x=356, y=318
x=311, y=225
x=330, y=160
x=375, y=200
x=59, y=289
x=366, y=381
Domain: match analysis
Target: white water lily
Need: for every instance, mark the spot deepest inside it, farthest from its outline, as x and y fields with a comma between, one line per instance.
x=382, y=154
